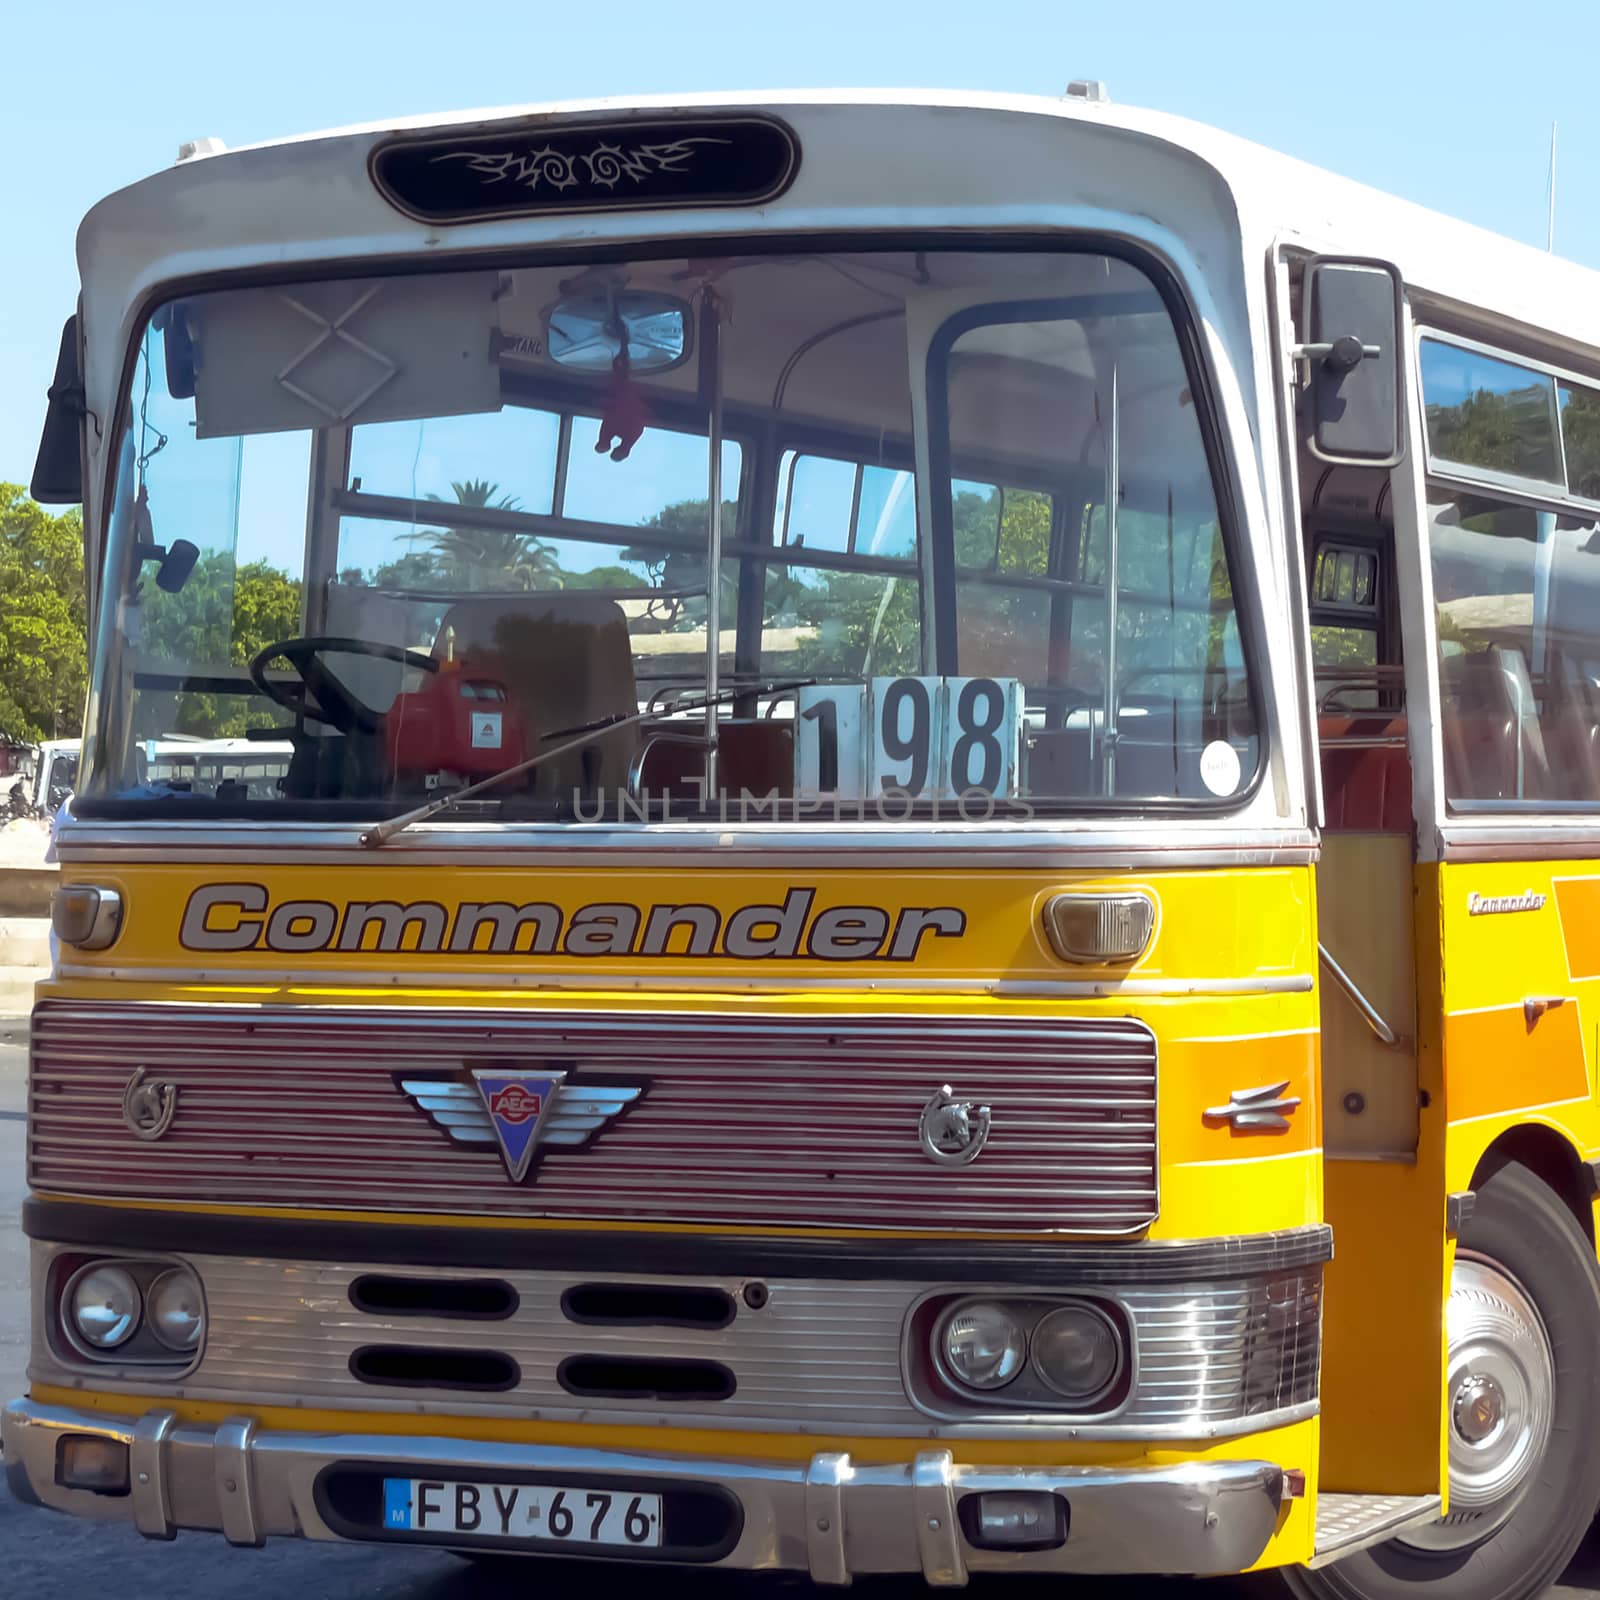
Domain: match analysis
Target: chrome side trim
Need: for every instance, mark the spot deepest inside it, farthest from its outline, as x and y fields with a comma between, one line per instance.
x=728, y=983
x=1189, y=1517
x=951, y=845
x=1519, y=837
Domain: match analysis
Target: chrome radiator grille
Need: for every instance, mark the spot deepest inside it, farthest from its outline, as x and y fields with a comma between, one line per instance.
x=766, y=1121
x=1211, y=1358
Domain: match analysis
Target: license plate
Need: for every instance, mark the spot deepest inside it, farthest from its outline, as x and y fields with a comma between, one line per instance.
x=522, y=1511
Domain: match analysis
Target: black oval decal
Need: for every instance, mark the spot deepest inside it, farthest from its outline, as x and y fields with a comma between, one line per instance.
x=722, y=161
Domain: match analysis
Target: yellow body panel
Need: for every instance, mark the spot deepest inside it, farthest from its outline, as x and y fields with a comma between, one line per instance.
x=1509, y=1064
x=1227, y=986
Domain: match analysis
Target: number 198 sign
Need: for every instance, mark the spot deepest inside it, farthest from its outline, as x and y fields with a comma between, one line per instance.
x=926, y=737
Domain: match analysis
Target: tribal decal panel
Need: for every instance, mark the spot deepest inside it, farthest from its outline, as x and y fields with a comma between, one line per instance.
x=394, y=923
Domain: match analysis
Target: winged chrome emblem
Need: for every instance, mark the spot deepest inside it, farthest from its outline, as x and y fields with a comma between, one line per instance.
x=1266, y=1108
x=520, y=1112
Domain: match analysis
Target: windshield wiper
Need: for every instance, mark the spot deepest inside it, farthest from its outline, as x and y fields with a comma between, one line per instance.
x=382, y=832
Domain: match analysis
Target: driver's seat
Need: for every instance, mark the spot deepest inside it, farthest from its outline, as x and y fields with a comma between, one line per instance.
x=565, y=659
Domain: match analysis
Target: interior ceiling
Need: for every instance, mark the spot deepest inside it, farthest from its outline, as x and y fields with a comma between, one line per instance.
x=857, y=375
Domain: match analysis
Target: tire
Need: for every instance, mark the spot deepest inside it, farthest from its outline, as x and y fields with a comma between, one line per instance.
x=1527, y=1493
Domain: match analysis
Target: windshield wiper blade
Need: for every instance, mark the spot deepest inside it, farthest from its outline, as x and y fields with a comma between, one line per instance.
x=382, y=832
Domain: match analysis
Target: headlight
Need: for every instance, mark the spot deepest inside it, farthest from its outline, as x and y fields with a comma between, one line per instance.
x=104, y=1307
x=1077, y=1351
x=983, y=1346
x=175, y=1311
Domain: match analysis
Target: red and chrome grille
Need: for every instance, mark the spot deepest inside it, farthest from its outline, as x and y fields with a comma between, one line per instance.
x=782, y=1120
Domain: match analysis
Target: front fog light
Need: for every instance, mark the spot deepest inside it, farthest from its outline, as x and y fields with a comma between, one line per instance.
x=1077, y=1350
x=983, y=1345
x=1024, y=1520
x=103, y=1303
x=86, y=1462
x=175, y=1309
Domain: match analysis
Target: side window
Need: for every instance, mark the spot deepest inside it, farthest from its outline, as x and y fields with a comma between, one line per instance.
x=1119, y=619
x=841, y=597
x=1516, y=580
x=1519, y=650
x=846, y=506
x=1002, y=629
x=521, y=500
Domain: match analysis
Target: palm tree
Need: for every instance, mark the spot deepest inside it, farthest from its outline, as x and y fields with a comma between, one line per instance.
x=490, y=558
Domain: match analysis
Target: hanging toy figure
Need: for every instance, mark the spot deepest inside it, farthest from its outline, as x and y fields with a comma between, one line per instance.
x=623, y=418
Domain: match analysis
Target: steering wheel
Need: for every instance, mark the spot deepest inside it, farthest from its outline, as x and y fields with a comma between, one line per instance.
x=320, y=695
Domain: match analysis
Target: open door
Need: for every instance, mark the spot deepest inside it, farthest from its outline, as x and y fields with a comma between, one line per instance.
x=1383, y=1134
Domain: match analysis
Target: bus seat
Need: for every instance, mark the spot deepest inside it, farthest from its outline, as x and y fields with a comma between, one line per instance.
x=1366, y=773
x=1058, y=762
x=1487, y=743
x=566, y=660
x=756, y=756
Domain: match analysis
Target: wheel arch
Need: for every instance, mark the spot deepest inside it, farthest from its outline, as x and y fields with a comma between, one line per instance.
x=1550, y=1157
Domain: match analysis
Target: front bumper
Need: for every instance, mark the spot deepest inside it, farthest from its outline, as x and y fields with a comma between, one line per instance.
x=831, y=1518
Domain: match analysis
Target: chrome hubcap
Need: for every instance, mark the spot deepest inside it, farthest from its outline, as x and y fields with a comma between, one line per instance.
x=1501, y=1403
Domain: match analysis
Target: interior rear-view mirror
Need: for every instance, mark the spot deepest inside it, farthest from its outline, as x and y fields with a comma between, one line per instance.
x=589, y=332
x=1352, y=361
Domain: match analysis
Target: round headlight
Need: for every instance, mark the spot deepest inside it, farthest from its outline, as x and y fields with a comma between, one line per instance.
x=1077, y=1350
x=104, y=1307
x=175, y=1310
x=983, y=1345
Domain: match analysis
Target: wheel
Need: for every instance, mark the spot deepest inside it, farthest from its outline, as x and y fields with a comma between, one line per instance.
x=1523, y=1406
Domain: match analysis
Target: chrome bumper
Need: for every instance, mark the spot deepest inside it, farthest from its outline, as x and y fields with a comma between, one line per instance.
x=831, y=1518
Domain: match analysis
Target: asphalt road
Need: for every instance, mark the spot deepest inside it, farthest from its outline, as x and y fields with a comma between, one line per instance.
x=43, y=1554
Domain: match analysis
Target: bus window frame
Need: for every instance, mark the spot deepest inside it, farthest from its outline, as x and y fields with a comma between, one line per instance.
x=1223, y=463
x=1544, y=492
x=1246, y=596
x=1536, y=494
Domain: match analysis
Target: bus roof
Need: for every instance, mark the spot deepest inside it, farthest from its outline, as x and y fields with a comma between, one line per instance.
x=1275, y=194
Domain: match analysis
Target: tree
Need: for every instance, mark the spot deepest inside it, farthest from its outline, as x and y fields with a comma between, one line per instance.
x=490, y=558
x=43, y=620
x=224, y=615
x=681, y=569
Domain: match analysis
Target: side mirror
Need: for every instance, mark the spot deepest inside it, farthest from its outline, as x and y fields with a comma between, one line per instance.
x=1353, y=397
x=58, y=471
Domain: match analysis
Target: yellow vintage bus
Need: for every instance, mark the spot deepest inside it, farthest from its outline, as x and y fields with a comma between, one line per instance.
x=928, y=893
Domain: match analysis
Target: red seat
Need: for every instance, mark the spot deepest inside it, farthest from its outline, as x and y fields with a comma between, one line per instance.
x=1366, y=773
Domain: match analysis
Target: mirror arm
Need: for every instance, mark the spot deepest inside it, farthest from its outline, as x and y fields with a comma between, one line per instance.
x=1341, y=355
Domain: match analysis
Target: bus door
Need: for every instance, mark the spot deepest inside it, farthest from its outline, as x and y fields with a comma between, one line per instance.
x=1383, y=1134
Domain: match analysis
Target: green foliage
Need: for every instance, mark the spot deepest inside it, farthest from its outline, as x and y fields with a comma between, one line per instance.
x=676, y=569
x=864, y=624
x=224, y=615
x=1580, y=432
x=488, y=558
x=1511, y=432
x=43, y=620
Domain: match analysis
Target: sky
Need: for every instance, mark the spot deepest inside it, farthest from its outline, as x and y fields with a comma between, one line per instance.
x=1448, y=104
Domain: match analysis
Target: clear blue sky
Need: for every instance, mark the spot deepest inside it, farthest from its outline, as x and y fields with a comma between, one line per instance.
x=1447, y=102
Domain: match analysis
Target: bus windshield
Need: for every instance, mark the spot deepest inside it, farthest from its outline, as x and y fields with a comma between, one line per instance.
x=407, y=532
